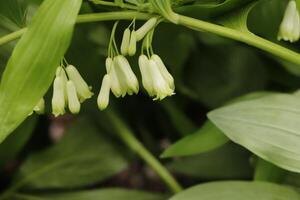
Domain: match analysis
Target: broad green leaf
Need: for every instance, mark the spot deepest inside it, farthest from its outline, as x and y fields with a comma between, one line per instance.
x=268, y=126
x=103, y=194
x=83, y=157
x=32, y=66
x=205, y=139
x=16, y=141
x=227, y=162
x=238, y=190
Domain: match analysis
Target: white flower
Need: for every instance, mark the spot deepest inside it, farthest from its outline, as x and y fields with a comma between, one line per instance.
x=83, y=90
x=60, y=72
x=73, y=102
x=146, y=79
x=58, y=99
x=127, y=79
x=165, y=73
x=132, y=44
x=125, y=42
x=290, y=26
x=103, y=97
x=115, y=83
x=153, y=78
x=143, y=30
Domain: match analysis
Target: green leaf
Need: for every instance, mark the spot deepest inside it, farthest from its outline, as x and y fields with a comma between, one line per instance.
x=32, y=66
x=103, y=194
x=223, y=163
x=268, y=126
x=265, y=171
x=205, y=139
x=16, y=141
x=81, y=158
x=238, y=190
x=12, y=14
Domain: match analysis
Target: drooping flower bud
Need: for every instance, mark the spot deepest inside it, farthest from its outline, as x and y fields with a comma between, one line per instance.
x=163, y=70
x=132, y=44
x=143, y=30
x=103, y=97
x=160, y=85
x=40, y=107
x=115, y=83
x=290, y=26
x=73, y=102
x=125, y=42
x=60, y=72
x=58, y=99
x=83, y=90
x=146, y=78
x=127, y=78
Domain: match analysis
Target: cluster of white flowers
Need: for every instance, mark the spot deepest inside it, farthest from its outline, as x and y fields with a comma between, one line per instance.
x=121, y=80
x=290, y=26
x=70, y=89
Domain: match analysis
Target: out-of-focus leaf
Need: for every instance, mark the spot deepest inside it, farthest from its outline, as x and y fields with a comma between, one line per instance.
x=265, y=171
x=238, y=190
x=268, y=126
x=12, y=14
x=178, y=118
x=104, y=194
x=16, y=141
x=234, y=73
x=211, y=8
x=205, y=139
x=32, y=66
x=83, y=157
x=227, y=162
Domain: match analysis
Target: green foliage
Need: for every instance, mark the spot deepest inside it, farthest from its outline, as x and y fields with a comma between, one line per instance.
x=238, y=190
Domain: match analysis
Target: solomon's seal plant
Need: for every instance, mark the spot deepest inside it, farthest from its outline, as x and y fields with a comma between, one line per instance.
x=197, y=91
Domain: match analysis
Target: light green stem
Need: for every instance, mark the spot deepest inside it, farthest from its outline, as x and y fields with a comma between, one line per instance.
x=189, y=22
x=135, y=145
x=247, y=38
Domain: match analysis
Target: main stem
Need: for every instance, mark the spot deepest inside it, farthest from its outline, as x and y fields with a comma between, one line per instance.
x=132, y=142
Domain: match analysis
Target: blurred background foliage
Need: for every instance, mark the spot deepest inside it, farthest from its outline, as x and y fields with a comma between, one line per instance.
x=49, y=154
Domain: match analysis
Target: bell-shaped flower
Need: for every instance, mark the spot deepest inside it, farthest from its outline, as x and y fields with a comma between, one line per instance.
x=103, y=97
x=115, y=83
x=73, y=102
x=290, y=26
x=143, y=30
x=161, y=87
x=60, y=72
x=145, y=72
x=83, y=90
x=125, y=42
x=164, y=71
x=58, y=99
x=127, y=79
x=132, y=44
x=40, y=107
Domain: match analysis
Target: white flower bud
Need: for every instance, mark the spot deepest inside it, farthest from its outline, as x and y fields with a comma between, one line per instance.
x=73, y=102
x=290, y=26
x=160, y=85
x=127, y=78
x=115, y=83
x=83, y=90
x=163, y=70
x=143, y=30
x=125, y=42
x=146, y=78
x=58, y=99
x=103, y=97
x=60, y=72
x=132, y=44
x=40, y=107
